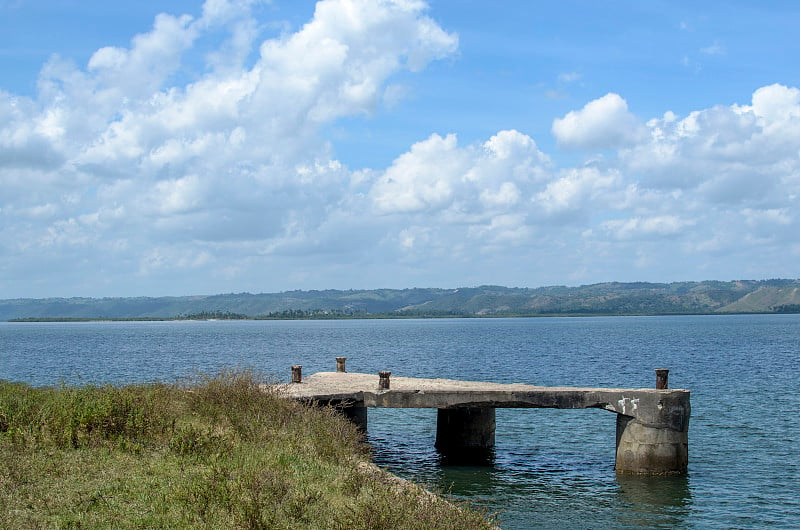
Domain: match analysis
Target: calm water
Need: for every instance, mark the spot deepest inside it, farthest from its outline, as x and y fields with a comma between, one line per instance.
x=553, y=468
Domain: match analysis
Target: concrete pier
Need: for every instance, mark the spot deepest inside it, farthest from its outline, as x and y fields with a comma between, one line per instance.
x=465, y=435
x=355, y=413
x=651, y=430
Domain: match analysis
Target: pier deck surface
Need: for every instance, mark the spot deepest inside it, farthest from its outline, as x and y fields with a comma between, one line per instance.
x=650, y=405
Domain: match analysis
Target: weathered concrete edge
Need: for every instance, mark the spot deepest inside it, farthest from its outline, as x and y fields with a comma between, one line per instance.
x=657, y=408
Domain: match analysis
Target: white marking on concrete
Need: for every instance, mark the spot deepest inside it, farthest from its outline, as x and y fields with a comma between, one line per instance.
x=624, y=403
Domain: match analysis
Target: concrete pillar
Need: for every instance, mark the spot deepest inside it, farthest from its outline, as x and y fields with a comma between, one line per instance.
x=466, y=435
x=356, y=414
x=649, y=450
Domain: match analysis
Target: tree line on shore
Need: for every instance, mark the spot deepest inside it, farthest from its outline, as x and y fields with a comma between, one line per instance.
x=614, y=298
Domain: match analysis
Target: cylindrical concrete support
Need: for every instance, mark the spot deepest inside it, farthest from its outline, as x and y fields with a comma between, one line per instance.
x=297, y=373
x=383, y=380
x=648, y=450
x=662, y=378
x=357, y=414
x=355, y=411
x=340, y=364
x=466, y=435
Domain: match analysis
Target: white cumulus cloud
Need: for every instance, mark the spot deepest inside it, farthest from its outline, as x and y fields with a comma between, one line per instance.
x=605, y=123
x=646, y=227
x=135, y=166
x=232, y=156
x=437, y=175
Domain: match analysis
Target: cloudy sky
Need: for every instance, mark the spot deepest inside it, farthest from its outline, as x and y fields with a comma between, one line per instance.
x=244, y=145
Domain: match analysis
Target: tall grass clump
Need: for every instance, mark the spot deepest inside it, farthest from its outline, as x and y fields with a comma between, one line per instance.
x=227, y=450
x=84, y=416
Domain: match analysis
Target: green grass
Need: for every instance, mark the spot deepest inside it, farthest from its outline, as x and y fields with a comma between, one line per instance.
x=214, y=452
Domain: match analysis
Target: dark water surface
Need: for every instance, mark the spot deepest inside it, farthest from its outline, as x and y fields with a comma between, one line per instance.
x=553, y=468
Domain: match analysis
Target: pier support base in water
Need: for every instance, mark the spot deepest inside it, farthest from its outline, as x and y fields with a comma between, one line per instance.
x=356, y=412
x=358, y=415
x=465, y=436
x=648, y=450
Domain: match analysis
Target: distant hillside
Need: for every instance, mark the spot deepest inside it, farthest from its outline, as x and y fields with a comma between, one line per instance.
x=770, y=297
x=766, y=296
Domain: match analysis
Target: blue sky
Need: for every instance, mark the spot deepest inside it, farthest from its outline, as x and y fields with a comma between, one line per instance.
x=239, y=145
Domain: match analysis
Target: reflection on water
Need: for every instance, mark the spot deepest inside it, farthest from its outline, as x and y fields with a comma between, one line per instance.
x=645, y=499
x=559, y=464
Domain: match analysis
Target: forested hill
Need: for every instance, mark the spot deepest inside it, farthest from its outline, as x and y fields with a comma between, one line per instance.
x=766, y=296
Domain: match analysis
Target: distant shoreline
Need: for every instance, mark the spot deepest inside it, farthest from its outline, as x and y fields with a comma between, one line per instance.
x=487, y=301
x=380, y=317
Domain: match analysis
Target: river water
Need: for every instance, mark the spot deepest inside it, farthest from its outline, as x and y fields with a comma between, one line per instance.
x=552, y=468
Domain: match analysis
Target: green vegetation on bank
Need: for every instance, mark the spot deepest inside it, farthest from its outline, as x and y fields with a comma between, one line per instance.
x=614, y=298
x=215, y=452
x=334, y=314
x=202, y=315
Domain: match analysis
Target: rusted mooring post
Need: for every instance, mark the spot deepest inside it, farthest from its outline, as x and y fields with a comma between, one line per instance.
x=297, y=373
x=662, y=378
x=383, y=380
x=340, y=364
